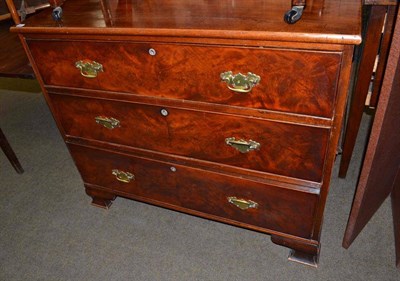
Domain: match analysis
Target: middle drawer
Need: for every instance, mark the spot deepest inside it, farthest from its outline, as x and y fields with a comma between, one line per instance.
x=285, y=149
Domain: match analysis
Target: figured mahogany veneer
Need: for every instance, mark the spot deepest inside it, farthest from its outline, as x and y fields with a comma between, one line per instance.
x=128, y=67
x=170, y=113
x=183, y=187
x=285, y=149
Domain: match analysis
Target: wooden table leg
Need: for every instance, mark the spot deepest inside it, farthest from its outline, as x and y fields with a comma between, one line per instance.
x=5, y=146
x=396, y=215
x=371, y=46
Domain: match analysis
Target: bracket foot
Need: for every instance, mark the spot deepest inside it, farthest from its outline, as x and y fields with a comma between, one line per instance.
x=304, y=258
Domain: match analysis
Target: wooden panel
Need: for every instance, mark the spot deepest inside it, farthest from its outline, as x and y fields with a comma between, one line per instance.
x=281, y=210
x=286, y=149
x=383, y=54
x=382, y=158
x=291, y=81
x=357, y=106
x=337, y=22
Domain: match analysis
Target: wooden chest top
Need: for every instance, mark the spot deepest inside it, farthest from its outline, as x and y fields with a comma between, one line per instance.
x=323, y=21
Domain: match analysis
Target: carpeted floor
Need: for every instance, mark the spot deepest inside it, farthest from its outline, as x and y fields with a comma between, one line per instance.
x=49, y=230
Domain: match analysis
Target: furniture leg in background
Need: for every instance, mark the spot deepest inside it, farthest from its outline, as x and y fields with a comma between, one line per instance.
x=13, y=61
x=396, y=215
x=8, y=151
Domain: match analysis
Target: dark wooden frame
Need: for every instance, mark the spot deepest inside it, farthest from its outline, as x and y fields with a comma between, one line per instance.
x=372, y=46
x=380, y=175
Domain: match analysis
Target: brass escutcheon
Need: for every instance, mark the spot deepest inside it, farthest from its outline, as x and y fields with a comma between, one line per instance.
x=122, y=176
x=88, y=68
x=108, y=122
x=242, y=145
x=242, y=204
x=240, y=83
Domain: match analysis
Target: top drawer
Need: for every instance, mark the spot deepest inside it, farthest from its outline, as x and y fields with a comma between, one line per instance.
x=295, y=81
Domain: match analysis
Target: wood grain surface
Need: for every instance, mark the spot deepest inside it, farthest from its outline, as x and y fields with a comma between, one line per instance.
x=200, y=190
x=337, y=21
x=294, y=81
x=286, y=149
x=295, y=112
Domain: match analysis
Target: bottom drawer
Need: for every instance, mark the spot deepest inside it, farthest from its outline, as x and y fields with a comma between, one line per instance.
x=221, y=197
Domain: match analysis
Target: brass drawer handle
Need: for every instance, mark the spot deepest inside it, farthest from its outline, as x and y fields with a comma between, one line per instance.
x=242, y=145
x=108, y=122
x=242, y=203
x=122, y=176
x=240, y=83
x=89, y=69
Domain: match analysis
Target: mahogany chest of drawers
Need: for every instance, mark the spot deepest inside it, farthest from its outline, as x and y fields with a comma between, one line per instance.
x=220, y=110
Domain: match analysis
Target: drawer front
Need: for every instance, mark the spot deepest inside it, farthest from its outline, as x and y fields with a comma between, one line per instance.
x=268, y=206
x=290, y=81
x=285, y=149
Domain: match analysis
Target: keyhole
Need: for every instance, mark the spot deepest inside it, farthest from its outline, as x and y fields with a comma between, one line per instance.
x=164, y=112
